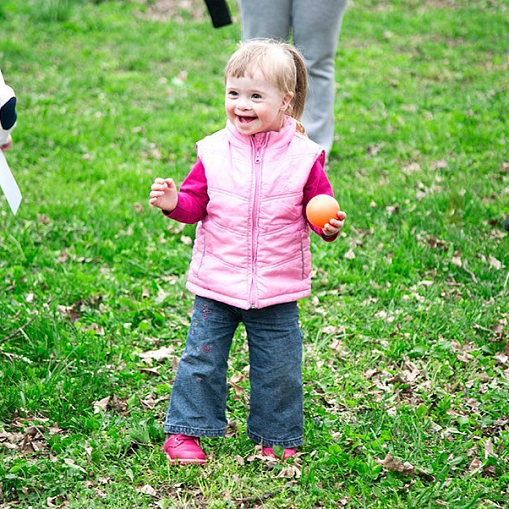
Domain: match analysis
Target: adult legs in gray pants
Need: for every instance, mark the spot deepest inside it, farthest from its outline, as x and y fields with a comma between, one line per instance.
x=314, y=29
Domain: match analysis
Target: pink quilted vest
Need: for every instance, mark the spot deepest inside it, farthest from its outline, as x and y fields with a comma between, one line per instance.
x=252, y=249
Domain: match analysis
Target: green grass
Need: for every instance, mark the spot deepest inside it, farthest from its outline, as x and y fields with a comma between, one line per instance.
x=406, y=332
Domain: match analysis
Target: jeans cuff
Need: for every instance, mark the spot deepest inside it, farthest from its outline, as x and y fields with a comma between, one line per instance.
x=193, y=432
x=271, y=442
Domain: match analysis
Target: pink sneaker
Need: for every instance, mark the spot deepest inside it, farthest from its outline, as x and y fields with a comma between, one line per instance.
x=184, y=450
x=288, y=453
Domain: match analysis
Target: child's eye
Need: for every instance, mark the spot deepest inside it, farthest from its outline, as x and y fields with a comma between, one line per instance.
x=233, y=93
x=257, y=96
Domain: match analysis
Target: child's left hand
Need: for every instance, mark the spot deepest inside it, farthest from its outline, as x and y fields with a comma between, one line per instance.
x=335, y=226
x=6, y=146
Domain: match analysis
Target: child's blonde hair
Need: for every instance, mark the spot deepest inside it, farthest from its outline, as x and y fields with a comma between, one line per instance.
x=281, y=64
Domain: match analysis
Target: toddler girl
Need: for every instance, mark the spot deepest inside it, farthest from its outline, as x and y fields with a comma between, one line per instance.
x=251, y=259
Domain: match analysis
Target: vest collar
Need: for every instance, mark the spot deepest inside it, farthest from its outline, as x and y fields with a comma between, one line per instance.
x=272, y=139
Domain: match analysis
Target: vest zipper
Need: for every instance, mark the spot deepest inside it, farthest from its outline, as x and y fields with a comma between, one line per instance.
x=258, y=145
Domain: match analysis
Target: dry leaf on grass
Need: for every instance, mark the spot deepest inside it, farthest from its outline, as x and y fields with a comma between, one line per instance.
x=73, y=313
x=150, y=401
x=110, y=403
x=102, y=404
x=291, y=471
x=147, y=490
x=411, y=168
x=58, y=501
x=496, y=264
x=475, y=464
x=165, y=352
x=489, y=449
x=71, y=463
x=350, y=255
x=29, y=442
x=404, y=468
x=456, y=259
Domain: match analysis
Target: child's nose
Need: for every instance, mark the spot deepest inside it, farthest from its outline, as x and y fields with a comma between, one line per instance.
x=244, y=103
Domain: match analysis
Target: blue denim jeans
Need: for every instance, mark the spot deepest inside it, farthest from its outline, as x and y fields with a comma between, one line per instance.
x=198, y=399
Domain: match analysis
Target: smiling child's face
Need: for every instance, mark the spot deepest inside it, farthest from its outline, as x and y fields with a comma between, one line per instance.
x=253, y=105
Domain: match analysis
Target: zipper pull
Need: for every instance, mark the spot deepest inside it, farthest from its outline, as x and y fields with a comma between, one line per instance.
x=259, y=143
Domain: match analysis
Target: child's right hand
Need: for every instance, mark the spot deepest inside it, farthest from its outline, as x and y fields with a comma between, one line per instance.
x=164, y=194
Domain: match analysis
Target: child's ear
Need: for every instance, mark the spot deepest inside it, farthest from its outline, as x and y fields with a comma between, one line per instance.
x=287, y=99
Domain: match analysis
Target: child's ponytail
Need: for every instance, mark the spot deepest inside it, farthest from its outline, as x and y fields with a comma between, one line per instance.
x=301, y=83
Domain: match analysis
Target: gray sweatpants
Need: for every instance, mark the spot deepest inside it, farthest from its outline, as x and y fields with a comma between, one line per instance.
x=314, y=26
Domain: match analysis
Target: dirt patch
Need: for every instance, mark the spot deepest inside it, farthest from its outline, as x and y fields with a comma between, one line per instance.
x=164, y=10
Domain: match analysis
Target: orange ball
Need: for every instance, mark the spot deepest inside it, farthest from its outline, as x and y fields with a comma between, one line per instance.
x=321, y=209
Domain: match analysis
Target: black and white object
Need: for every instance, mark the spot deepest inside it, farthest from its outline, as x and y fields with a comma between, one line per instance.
x=7, y=111
x=7, y=123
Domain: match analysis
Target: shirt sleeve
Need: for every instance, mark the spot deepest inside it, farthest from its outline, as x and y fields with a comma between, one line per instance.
x=193, y=197
x=317, y=183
